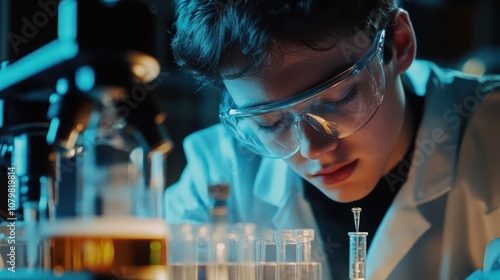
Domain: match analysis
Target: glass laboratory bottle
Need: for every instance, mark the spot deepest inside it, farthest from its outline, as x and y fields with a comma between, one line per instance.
x=118, y=231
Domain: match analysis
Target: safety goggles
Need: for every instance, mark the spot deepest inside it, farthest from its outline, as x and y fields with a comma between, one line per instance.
x=335, y=108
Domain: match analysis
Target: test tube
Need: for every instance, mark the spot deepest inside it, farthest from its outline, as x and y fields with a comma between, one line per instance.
x=219, y=268
x=203, y=249
x=182, y=252
x=303, y=237
x=246, y=239
x=232, y=250
x=265, y=238
x=220, y=243
x=282, y=238
x=357, y=255
x=246, y=251
x=263, y=265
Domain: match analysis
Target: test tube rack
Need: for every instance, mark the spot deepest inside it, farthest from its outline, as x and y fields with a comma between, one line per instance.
x=240, y=252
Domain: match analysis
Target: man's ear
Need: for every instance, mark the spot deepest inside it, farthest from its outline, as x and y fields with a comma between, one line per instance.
x=404, y=42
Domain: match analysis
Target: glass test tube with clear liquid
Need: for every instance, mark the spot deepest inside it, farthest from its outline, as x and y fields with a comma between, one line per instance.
x=246, y=251
x=282, y=238
x=303, y=238
x=264, y=266
x=182, y=252
x=357, y=255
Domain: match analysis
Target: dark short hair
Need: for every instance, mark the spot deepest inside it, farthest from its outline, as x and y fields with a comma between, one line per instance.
x=210, y=34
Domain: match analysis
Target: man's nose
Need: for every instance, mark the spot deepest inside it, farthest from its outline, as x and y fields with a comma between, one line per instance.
x=314, y=144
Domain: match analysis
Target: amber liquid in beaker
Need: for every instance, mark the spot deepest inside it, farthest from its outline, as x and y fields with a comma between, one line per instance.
x=109, y=253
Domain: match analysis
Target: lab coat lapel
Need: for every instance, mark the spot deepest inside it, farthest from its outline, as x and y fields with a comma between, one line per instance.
x=473, y=208
x=430, y=177
x=479, y=162
x=294, y=213
x=394, y=239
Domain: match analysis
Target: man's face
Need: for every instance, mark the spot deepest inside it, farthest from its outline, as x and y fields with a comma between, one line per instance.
x=345, y=169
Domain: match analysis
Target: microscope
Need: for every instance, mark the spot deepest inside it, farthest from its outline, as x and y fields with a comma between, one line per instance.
x=87, y=95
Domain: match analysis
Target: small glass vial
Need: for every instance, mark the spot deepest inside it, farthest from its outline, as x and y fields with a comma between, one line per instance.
x=182, y=252
x=283, y=238
x=246, y=251
x=303, y=237
x=264, y=264
x=203, y=251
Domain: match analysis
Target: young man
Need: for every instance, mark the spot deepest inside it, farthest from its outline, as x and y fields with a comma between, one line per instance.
x=322, y=112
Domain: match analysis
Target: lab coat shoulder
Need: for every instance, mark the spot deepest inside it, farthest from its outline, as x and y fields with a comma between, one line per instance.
x=473, y=208
x=479, y=156
x=207, y=154
x=455, y=154
x=214, y=157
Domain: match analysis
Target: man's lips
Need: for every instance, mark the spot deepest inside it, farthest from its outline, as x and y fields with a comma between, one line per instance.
x=336, y=175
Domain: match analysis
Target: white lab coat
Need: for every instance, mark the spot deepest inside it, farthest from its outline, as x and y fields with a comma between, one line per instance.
x=454, y=181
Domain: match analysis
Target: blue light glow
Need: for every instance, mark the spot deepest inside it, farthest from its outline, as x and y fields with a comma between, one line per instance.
x=62, y=86
x=51, y=134
x=36, y=62
x=68, y=15
x=85, y=78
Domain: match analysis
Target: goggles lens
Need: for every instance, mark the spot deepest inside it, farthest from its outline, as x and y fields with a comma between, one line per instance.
x=336, y=108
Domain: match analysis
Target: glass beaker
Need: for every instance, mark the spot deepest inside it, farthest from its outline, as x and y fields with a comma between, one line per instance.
x=119, y=229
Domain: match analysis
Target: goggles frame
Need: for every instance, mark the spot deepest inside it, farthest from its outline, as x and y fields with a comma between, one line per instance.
x=377, y=46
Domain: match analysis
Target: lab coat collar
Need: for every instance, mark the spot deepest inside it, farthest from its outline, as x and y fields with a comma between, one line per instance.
x=437, y=140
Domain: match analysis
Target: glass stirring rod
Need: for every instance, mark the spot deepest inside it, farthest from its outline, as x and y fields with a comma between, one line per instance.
x=356, y=212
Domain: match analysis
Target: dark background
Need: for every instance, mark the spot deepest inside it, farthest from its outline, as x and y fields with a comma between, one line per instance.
x=449, y=32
